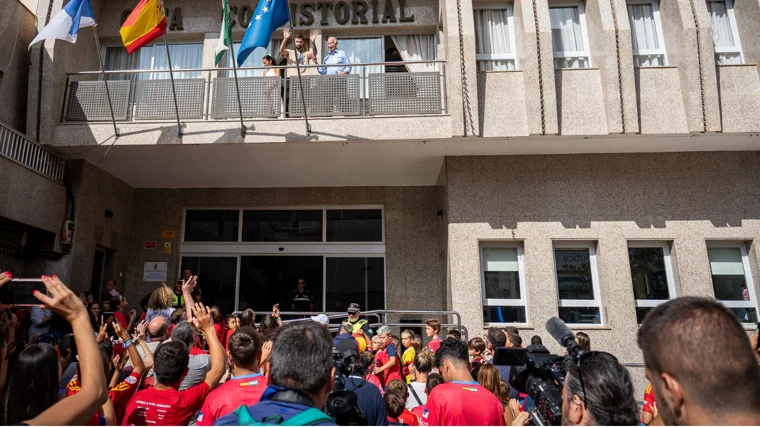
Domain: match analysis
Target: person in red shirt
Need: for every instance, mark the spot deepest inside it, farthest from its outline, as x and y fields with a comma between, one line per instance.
x=246, y=385
x=119, y=393
x=432, y=329
x=649, y=410
x=433, y=380
x=396, y=413
x=367, y=360
x=391, y=369
x=163, y=404
x=406, y=416
x=381, y=358
x=460, y=401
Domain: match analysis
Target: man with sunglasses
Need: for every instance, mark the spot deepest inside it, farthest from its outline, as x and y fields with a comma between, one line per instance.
x=302, y=299
x=598, y=391
x=701, y=364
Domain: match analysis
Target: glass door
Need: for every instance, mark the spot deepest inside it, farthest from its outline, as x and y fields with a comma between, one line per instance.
x=216, y=279
x=354, y=279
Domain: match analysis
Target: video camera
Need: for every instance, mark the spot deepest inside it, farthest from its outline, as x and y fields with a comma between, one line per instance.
x=342, y=404
x=541, y=375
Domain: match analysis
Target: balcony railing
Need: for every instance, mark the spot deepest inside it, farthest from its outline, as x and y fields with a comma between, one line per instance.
x=20, y=149
x=209, y=94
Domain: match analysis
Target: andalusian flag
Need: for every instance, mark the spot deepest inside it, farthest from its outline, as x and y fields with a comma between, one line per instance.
x=225, y=38
x=145, y=24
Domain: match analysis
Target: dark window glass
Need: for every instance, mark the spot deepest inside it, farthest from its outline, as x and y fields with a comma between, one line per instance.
x=211, y=226
x=574, y=274
x=502, y=279
x=727, y=267
x=355, y=225
x=745, y=315
x=269, y=280
x=648, y=272
x=282, y=226
x=359, y=280
x=495, y=314
x=580, y=315
x=216, y=280
x=641, y=313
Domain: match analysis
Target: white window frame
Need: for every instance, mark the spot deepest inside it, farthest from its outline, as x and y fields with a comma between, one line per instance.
x=669, y=272
x=505, y=302
x=752, y=303
x=482, y=57
x=737, y=48
x=595, y=281
x=586, y=52
x=660, y=35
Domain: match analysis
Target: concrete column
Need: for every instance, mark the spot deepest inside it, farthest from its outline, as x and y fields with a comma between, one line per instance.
x=465, y=116
x=603, y=48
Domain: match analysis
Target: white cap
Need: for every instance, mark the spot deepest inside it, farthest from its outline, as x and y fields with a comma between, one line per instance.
x=321, y=318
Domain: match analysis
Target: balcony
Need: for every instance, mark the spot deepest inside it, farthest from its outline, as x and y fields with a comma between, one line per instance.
x=143, y=98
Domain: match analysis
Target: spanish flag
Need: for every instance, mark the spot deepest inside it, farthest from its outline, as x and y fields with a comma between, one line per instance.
x=145, y=24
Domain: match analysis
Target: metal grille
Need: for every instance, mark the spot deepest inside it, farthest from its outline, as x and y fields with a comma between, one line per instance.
x=326, y=95
x=155, y=100
x=259, y=97
x=10, y=240
x=405, y=93
x=88, y=101
x=22, y=150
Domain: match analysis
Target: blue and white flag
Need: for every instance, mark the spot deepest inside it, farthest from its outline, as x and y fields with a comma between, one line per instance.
x=66, y=24
x=269, y=16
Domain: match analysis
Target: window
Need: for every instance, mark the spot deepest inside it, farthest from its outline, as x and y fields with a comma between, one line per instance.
x=503, y=278
x=355, y=225
x=360, y=50
x=652, y=275
x=494, y=38
x=253, y=60
x=153, y=57
x=211, y=225
x=282, y=226
x=732, y=281
x=569, y=36
x=578, y=283
x=646, y=33
x=728, y=49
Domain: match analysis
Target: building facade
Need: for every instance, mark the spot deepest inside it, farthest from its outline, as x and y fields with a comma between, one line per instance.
x=511, y=161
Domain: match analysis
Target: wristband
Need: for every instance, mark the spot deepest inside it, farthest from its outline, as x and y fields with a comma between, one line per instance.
x=128, y=343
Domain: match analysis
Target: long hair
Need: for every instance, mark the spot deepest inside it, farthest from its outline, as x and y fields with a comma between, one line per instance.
x=33, y=385
x=161, y=298
x=247, y=318
x=583, y=340
x=267, y=328
x=489, y=379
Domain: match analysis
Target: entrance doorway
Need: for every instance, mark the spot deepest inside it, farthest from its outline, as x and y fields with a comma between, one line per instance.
x=269, y=280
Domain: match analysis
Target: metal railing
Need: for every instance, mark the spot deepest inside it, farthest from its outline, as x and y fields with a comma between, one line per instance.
x=210, y=93
x=22, y=150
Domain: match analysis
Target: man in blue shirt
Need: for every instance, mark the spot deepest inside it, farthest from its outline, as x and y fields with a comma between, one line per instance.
x=333, y=57
x=300, y=377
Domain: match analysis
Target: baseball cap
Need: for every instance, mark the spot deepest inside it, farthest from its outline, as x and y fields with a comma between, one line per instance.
x=322, y=319
x=353, y=308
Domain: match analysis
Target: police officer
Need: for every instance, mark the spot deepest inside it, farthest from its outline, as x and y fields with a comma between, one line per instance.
x=302, y=300
x=360, y=325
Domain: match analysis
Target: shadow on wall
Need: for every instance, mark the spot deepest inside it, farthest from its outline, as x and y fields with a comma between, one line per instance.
x=575, y=190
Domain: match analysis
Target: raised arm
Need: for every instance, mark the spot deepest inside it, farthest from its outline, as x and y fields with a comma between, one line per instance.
x=313, y=42
x=187, y=294
x=77, y=409
x=284, y=45
x=139, y=338
x=137, y=363
x=205, y=323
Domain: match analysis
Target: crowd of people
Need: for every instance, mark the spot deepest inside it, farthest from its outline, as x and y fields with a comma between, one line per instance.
x=75, y=361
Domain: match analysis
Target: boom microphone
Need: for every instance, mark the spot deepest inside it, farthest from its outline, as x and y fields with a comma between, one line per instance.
x=564, y=336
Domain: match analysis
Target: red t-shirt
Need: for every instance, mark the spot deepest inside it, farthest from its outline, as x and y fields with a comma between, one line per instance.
x=119, y=395
x=373, y=379
x=648, y=399
x=381, y=358
x=120, y=317
x=238, y=391
x=408, y=418
x=165, y=407
x=460, y=403
x=418, y=411
x=434, y=344
x=394, y=372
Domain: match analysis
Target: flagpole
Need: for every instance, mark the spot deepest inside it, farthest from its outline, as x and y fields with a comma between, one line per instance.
x=298, y=69
x=174, y=90
x=237, y=88
x=105, y=80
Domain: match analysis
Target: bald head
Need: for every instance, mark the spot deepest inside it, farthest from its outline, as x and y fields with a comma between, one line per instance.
x=157, y=328
x=332, y=43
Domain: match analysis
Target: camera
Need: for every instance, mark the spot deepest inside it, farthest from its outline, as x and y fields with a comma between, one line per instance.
x=342, y=404
x=541, y=375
